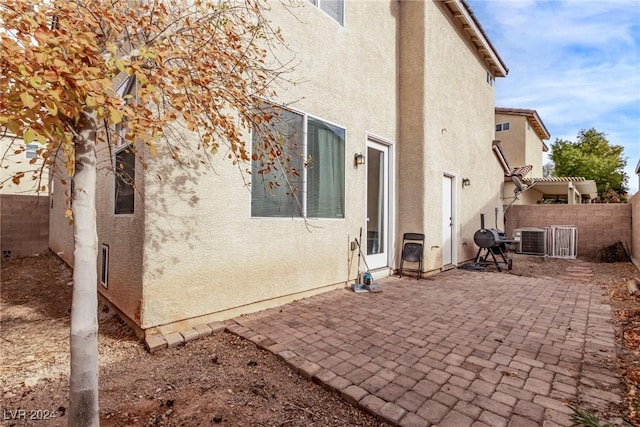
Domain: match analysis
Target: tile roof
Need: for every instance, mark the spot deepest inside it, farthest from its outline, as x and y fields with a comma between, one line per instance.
x=534, y=119
x=521, y=171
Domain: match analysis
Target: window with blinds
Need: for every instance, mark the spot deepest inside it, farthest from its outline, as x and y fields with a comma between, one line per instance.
x=298, y=167
x=333, y=8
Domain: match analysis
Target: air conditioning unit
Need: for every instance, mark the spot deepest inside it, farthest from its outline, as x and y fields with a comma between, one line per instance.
x=562, y=241
x=530, y=240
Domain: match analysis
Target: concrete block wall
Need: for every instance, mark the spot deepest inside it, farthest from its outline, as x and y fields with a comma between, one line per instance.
x=635, y=227
x=24, y=225
x=598, y=225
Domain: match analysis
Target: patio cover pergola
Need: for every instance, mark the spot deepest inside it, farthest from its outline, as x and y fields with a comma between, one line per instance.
x=573, y=190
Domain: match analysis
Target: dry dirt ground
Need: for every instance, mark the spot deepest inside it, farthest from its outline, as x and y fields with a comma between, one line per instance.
x=217, y=380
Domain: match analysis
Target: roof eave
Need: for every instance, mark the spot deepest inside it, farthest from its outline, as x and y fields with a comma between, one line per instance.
x=543, y=133
x=533, y=117
x=470, y=24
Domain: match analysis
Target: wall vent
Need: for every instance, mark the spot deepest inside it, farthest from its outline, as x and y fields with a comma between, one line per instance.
x=104, y=265
x=562, y=241
x=530, y=240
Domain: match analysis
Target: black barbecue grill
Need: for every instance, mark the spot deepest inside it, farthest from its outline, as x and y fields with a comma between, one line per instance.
x=493, y=242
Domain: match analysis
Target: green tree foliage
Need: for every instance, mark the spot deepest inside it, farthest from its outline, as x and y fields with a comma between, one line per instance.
x=591, y=157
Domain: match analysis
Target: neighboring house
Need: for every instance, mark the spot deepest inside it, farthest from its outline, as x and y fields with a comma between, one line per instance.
x=24, y=211
x=520, y=147
x=638, y=172
x=409, y=85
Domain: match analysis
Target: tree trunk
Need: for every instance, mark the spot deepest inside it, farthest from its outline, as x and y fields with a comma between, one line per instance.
x=83, y=393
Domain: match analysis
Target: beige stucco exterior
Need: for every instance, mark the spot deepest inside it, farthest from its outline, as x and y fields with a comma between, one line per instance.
x=523, y=146
x=446, y=129
x=405, y=74
x=24, y=206
x=14, y=160
x=60, y=229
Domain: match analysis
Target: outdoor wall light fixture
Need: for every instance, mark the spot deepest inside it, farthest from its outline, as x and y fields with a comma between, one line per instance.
x=358, y=159
x=466, y=182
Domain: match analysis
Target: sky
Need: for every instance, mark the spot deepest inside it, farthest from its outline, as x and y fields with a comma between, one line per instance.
x=576, y=62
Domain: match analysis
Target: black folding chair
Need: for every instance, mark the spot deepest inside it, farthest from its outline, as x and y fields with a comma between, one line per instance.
x=412, y=251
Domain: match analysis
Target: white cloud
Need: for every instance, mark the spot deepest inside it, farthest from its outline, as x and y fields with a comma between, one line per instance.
x=577, y=62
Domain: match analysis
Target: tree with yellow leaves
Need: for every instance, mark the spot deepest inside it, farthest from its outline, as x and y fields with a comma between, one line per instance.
x=201, y=66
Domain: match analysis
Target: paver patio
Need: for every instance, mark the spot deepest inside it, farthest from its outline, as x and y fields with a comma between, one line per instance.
x=460, y=349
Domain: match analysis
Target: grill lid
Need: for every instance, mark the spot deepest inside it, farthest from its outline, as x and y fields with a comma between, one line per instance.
x=488, y=238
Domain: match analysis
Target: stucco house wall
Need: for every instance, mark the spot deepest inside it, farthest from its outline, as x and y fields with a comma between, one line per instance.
x=121, y=234
x=24, y=207
x=533, y=150
x=60, y=229
x=521, y=145
x=447, y=113
x=512, y=140
x=15, y=158
x=530, y=196
x=121, y=237
x=201, y=251
x=403, y=74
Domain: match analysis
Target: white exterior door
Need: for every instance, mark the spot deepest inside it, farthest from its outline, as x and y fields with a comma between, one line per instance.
x=377, y=243
x=448, y=236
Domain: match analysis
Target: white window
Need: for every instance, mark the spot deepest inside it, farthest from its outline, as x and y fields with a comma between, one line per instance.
x=500, y=127
x=298, y=167
x=31, y=151
x=490, y=78
x=333, y=8
x=124, y=167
